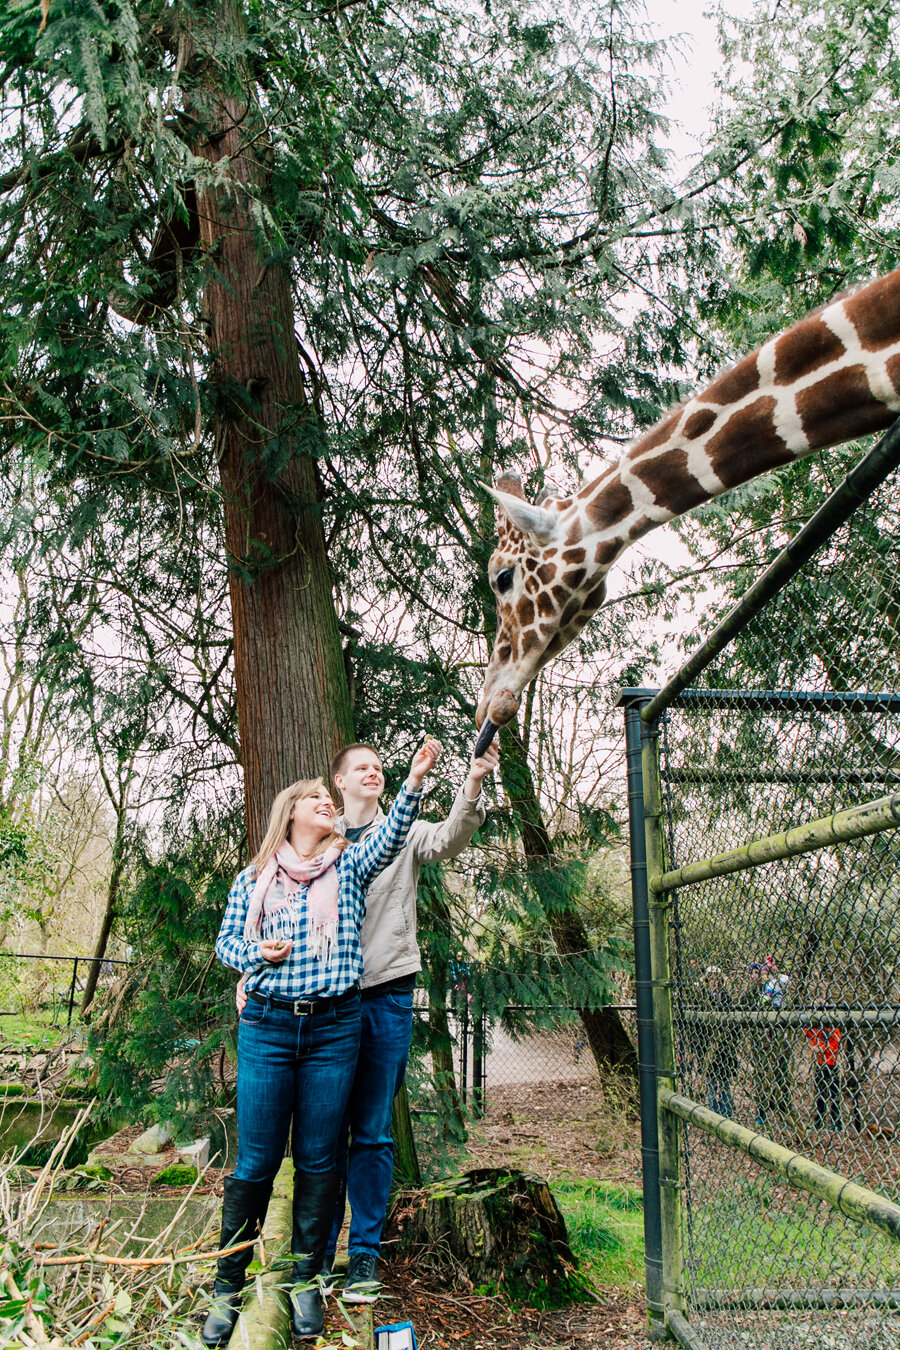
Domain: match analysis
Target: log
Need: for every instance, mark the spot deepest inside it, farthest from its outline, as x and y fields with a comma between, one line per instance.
x=492, y=1230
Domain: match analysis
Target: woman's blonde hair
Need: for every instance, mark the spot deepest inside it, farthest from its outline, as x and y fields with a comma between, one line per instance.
x=279, y=825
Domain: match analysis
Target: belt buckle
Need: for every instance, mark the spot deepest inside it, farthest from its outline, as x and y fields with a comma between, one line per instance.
x=302, y=1007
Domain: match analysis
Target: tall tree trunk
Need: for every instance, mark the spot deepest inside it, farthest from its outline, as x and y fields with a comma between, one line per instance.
x=109, y=913
x=292, y=701
x=603, y=1027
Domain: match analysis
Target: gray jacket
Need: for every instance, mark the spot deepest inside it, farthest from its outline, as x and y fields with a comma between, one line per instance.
x=389, y=929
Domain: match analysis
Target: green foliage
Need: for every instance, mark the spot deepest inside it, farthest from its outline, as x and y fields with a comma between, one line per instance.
x=163, y=1035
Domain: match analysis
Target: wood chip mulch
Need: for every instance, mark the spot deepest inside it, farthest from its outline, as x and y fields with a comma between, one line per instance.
x=446, y=1320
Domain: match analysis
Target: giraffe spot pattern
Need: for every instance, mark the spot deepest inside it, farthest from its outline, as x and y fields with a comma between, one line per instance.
x=669, y=480
x=825, y=381
x=699, y=422
x=807, y=347
x=594, y=598
x=658, y=435
x=612, y=504
x=572, y=609
x=734, y=385
x=875, y=320
x=525, y=612
x=749, y=432
x=892, y=368
x=840, y=407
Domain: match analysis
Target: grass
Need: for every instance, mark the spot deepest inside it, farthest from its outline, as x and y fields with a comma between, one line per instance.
x=766, y=1238
x=605, y=1222
x=33, y=1030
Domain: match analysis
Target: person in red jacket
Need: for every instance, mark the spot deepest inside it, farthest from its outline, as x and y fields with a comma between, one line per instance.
x=824, y=1042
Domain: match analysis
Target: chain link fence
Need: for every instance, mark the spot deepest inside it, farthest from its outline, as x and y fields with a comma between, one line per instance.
x=765, y=795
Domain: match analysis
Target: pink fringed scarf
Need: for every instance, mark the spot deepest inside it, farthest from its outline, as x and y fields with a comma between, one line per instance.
x=273, y=911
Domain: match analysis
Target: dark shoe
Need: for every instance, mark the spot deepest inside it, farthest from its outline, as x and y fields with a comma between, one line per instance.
x=362, y=1284
x=222, y=1315
x=313, y=1208
x=307, y=1312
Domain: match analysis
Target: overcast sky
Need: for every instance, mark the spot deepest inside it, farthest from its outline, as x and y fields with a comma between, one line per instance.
x=695, y=69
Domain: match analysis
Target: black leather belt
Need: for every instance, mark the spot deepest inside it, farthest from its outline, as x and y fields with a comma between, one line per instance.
x=306, y=1007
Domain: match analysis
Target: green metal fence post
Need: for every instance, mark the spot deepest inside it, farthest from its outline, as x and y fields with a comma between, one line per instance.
x=663, y=1029
x=643, y=990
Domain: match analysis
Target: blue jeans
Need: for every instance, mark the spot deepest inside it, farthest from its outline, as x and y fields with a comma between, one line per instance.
x=718, y=1095
x=298, y=1068
x=383, y=1054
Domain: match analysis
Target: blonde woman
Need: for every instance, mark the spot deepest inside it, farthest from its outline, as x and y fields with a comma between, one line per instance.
x=292, y=927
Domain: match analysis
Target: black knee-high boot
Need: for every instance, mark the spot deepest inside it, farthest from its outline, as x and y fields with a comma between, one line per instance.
x=314, y=1197
x=243, y=1214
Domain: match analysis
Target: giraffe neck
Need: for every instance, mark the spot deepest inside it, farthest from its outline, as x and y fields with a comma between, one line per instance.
x=829, y=379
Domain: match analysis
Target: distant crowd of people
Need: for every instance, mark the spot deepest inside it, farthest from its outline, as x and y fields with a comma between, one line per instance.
x=711, y=1046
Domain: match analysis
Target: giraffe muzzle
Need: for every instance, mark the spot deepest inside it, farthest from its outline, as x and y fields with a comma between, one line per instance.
x=501, y=710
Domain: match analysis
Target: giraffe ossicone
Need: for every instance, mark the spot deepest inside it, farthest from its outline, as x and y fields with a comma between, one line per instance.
x=830, y=378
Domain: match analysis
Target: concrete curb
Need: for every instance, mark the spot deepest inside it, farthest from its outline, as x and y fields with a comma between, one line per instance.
x=265, y=1324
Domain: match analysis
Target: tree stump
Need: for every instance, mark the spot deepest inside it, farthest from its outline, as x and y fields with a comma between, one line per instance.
x=489, y=1229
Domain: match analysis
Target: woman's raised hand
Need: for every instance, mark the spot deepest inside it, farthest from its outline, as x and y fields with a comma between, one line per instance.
x=424, y=761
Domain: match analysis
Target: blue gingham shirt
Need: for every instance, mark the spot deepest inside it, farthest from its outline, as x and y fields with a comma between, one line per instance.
x=302, y=975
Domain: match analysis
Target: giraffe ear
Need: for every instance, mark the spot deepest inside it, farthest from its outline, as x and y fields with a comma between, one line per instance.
x=536, y=521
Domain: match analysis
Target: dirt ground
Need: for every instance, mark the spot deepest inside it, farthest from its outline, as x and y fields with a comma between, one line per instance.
x=452, y=1321
x=560, y=1128
x=556, y=1129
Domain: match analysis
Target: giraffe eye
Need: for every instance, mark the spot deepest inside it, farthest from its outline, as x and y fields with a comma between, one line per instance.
x=503, y=580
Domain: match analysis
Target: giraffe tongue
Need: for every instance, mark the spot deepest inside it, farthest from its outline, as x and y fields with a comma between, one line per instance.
x=504, y=706
x=485, y=736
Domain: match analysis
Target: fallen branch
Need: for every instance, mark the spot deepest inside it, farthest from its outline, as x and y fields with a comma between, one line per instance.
x=95, y=1322
x=142, y=1262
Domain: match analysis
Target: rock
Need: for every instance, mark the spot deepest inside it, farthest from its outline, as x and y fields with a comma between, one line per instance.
x=195, y=1154
x=152, y=1141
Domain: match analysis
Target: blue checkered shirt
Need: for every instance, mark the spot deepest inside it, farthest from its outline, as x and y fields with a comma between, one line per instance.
x=302, y=975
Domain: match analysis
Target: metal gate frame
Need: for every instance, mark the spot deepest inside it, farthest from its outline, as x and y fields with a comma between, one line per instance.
x=663, y=1110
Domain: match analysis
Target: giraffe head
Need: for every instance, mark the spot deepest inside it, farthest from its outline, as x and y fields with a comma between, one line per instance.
x=548, y=580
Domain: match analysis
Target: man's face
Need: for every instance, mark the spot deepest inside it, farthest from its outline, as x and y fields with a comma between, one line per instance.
x=361, y=778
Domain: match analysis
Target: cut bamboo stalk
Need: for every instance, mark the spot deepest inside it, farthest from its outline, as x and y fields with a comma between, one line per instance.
x=855, y=823
x=854, y=1201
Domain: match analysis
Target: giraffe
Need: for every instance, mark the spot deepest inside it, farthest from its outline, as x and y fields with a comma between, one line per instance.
x=833, y=376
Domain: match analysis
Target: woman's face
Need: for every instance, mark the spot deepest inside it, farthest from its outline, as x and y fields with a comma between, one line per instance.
x=314, y=815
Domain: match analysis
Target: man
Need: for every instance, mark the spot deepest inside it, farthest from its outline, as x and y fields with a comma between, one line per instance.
x=391, y=962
